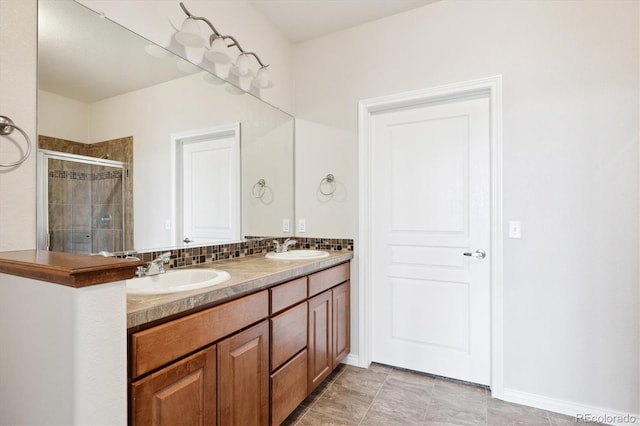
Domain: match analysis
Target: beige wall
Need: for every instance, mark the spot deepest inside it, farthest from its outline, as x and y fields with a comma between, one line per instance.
x=570, y=93
x=63, y=118
x=18, y=102
x=570, y=74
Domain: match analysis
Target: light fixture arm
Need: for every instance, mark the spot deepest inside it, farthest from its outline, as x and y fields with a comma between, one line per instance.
x=200, y=18
x=216, y=35
x=257, y=59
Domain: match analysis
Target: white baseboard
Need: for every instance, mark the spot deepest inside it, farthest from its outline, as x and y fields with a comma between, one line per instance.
x=582, y=413
x=354, y=360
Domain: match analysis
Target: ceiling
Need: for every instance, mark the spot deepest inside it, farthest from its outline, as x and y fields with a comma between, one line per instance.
x=301, y=20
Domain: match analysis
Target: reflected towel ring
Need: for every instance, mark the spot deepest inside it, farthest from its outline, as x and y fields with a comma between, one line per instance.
x=6, y=128
x=259, y=189
x=328, y=180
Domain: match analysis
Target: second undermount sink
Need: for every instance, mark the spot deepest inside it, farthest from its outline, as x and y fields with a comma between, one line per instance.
x=298, y=255
x=176, y=281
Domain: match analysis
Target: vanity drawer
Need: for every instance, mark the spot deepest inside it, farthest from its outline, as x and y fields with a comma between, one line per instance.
x=160, y=345
x=288, y=334
x=288, y=294
x=288, y=388
x=324, y=280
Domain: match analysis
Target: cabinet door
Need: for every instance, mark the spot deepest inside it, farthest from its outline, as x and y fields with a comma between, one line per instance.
x=320, y=343
x=243, y=377
x=182, y=393
x=341, y=323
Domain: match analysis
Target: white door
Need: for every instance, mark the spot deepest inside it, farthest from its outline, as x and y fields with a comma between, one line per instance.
x=210, y=182
x=430, y=198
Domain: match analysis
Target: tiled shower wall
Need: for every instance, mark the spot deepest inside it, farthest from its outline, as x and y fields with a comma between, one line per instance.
x=106, y=220
x=119, y=150
x=70, y=207
x=85, y=207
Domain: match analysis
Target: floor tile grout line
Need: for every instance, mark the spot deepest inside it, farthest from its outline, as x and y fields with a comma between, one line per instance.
x=388, y=374
x=374, y=397
x=426, y=411
x=306, y=411
x=315, y=401
x=331, y=382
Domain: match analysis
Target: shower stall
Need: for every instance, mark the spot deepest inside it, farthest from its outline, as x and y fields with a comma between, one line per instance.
x=82, y=203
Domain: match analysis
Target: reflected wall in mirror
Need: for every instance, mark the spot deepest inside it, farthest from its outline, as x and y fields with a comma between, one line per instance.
x=99, y=82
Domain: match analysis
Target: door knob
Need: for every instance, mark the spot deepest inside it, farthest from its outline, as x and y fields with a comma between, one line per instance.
x=479, y=254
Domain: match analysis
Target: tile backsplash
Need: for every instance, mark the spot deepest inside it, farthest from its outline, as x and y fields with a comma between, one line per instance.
x=252, y=246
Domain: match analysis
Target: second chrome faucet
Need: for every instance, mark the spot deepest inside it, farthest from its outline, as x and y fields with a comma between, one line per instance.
x=281, y=248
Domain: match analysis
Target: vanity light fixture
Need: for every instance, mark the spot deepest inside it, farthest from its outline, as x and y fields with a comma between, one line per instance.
x=217, y=52
x=189, y=36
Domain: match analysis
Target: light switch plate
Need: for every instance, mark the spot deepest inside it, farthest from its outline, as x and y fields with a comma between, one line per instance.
x=302, y=226
x=286, y=225
x=514, y=229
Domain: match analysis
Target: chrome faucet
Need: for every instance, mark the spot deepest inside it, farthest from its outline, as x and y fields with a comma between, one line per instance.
x=281, y=248
x=155, y=267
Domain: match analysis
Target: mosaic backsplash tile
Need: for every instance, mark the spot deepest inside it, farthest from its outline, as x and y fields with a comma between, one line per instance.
x=252, y=246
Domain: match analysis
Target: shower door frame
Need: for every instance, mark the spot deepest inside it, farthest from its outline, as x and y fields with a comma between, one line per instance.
x=42, y=189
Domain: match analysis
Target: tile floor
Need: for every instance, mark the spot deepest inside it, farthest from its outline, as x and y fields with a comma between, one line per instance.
x=382, y=395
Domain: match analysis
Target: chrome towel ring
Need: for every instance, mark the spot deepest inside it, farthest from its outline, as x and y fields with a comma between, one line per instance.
x=259, y=189
x=328, y=185
x=6, y=128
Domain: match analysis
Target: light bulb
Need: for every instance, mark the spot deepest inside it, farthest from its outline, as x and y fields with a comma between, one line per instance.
x=262, y=78
x=189, y=34
x=242, y=65
x=216, y=53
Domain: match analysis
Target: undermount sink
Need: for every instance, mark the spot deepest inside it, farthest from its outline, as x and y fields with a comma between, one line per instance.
x=176, y=281
x=298, y=255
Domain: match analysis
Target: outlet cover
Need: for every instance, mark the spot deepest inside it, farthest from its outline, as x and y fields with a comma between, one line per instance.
x=514, y=229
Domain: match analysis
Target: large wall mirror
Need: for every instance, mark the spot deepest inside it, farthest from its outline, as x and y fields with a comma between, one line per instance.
x=139, y=149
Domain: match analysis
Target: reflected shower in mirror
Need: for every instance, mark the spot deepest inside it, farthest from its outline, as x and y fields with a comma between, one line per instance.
x=99, y=83
x=86, y=203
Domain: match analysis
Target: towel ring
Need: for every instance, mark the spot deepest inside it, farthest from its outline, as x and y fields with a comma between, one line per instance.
x=328, y=180
x=6, y=128
x=259, y=188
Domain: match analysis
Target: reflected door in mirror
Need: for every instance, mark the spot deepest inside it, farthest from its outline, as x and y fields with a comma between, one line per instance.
x=209, y=180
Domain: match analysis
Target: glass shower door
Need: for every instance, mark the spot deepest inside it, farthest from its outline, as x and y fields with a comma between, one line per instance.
x=82, y=203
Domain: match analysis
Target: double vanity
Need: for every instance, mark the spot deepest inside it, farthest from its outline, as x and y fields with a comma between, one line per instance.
x=246, y=350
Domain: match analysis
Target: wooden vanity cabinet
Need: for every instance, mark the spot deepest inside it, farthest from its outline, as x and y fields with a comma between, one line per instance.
x=320, y=339
x=250, y=361
x=226, y=381
x=329, y=328
x=341, y=304
x=288, y=324
x=288, y=387
x=165, y=343
x=243, y=377
x=183, y=393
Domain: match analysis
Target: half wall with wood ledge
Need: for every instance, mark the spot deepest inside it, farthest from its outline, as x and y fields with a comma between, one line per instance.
x=63, y=328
